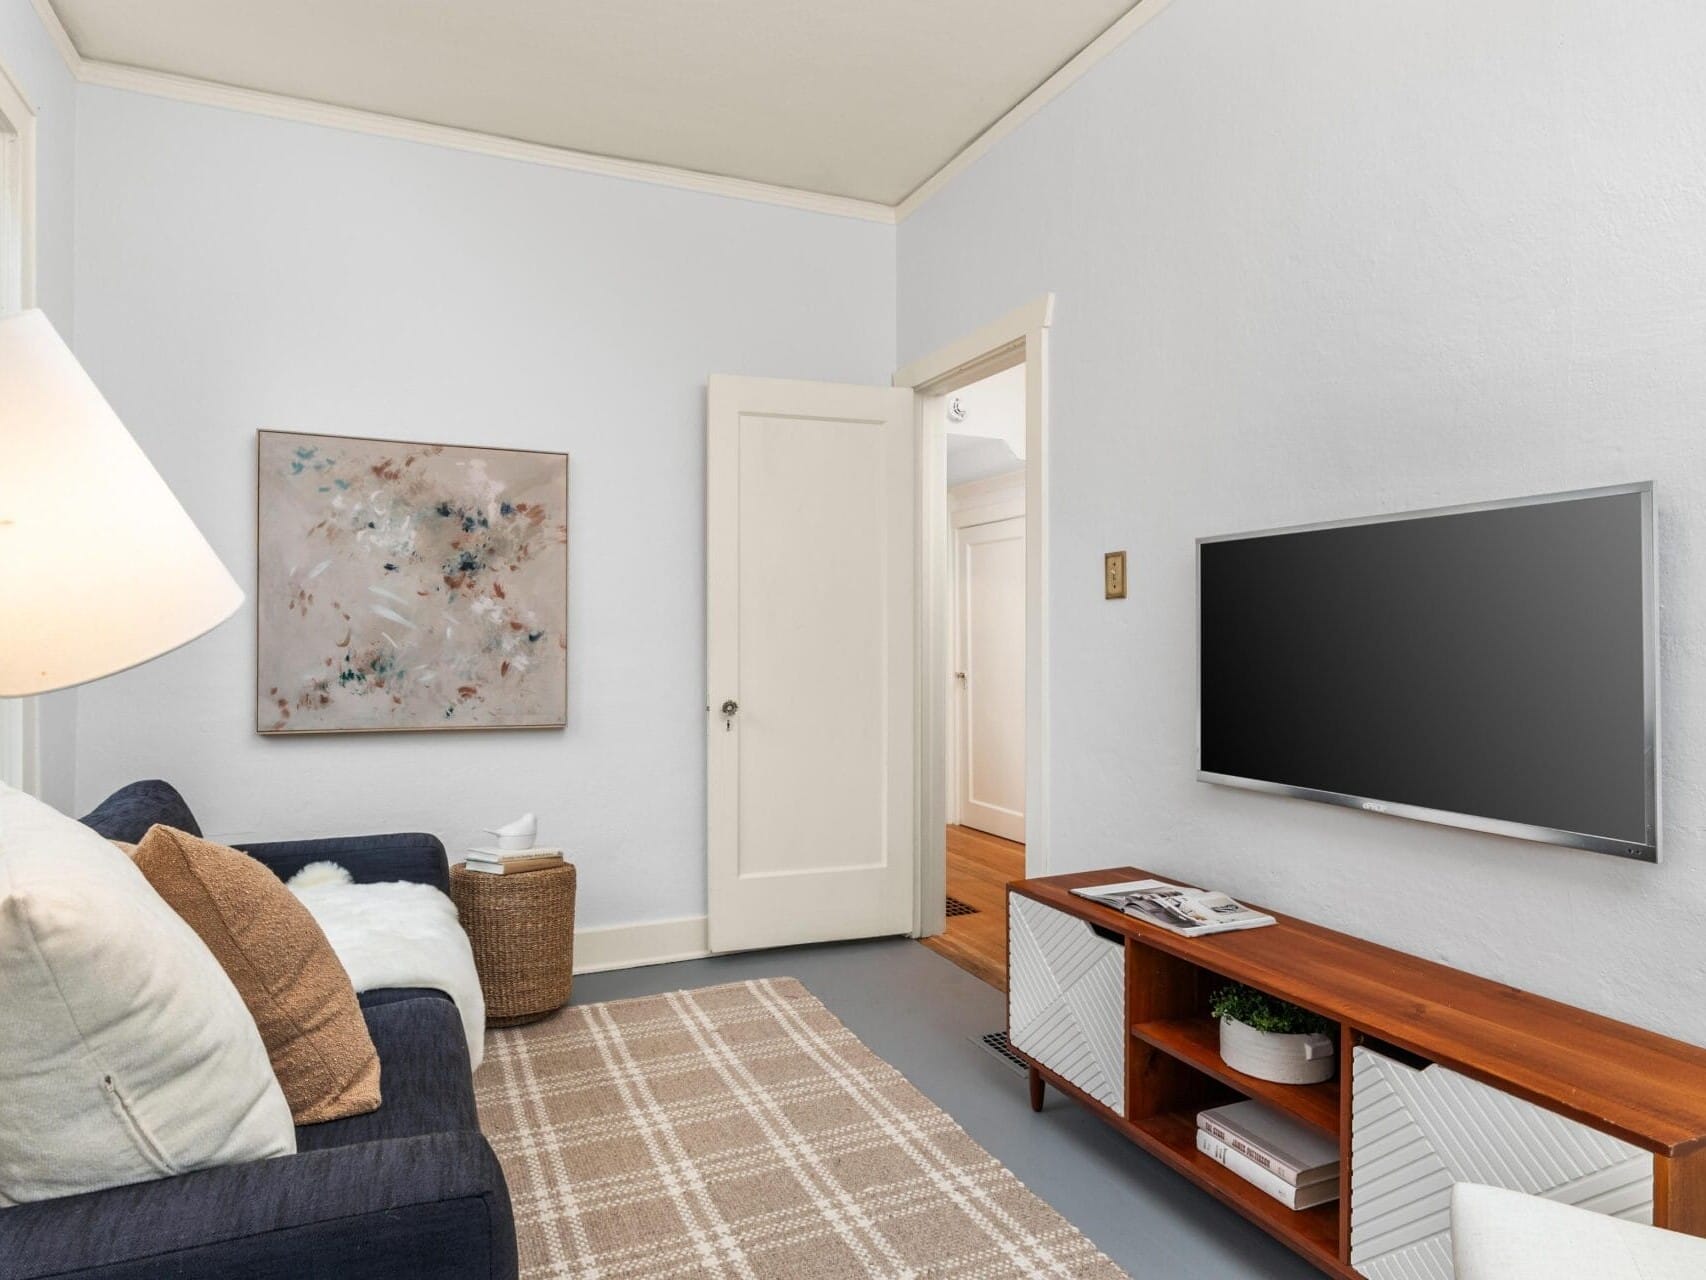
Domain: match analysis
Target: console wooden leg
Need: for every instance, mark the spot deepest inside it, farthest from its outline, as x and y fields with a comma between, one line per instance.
x=1679, y=1192
x=1036, y=1089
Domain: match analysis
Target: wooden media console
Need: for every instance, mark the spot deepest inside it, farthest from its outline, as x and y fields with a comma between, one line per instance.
x=1113, y=1012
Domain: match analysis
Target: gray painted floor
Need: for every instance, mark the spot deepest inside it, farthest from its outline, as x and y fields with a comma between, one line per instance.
x=922, y=1014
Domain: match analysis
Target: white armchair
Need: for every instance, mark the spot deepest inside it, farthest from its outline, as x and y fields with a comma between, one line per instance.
x=1505, y=1235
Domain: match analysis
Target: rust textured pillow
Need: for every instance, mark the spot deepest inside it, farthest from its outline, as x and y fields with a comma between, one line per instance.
x=282, y=966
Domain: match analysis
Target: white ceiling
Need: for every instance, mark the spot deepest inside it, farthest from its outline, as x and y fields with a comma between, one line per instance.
x=988, y=439
x=978, y=457
x=857, y=98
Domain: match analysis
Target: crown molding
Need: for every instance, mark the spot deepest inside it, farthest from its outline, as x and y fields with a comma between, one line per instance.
x=283, y=107
x=60, y=37
x=207, y=93
x=1046, y=92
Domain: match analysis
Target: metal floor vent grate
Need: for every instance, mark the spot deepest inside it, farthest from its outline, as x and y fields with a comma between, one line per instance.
x=958, y=908
x=996, y=1043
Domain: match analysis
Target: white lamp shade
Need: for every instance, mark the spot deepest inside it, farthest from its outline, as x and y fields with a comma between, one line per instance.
x=100, y=567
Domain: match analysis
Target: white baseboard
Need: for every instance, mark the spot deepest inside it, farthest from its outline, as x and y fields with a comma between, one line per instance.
x=629, y=946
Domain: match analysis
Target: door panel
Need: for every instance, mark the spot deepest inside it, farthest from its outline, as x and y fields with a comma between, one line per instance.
x=991, y=577
x=809, y=666
x=810, y=614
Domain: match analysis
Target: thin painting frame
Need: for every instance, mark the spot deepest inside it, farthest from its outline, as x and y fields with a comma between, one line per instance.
x=414, y=540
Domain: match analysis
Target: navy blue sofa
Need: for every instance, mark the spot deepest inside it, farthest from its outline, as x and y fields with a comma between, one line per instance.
x=411, y=1191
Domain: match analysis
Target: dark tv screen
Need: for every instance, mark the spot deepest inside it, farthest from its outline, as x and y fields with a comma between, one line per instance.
x=1489, y=668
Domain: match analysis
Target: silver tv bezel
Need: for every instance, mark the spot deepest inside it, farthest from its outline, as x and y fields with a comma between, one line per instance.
x=1643, y=851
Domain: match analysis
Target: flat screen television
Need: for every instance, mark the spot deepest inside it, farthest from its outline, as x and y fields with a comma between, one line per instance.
x=1492, y=667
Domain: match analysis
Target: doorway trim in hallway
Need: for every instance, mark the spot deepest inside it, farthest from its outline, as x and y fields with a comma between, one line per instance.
x=1019, y=337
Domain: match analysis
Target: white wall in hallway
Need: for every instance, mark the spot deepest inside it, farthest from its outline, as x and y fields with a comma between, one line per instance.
x=992, y=414
x=236, y=273
x=1328, y=258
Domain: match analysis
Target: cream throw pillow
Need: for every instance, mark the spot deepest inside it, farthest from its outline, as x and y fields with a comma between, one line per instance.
x=125, y=1052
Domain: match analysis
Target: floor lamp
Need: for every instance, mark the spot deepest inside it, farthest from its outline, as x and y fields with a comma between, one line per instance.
x=100, y=567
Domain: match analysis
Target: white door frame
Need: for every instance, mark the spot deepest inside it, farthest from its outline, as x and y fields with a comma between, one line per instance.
x=20, y=731
x=18, y=119
x=1019, y=337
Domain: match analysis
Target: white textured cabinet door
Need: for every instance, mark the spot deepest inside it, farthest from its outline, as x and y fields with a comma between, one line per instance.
x=1066, y=998
x=1415, y=1132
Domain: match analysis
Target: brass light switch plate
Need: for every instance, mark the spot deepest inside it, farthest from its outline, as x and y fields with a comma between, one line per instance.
x=1113, y=575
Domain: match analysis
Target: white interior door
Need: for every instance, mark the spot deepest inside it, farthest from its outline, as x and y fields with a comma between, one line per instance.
x=990, y=574
x=810, y=563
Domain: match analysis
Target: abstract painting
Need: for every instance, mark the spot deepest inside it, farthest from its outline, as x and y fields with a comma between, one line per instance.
x=409, y=586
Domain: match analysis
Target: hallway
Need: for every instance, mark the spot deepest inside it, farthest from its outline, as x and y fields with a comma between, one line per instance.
x=979, y=867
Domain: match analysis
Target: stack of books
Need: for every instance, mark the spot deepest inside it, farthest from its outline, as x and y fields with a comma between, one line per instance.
x=1293, y=1163
x=508, y=862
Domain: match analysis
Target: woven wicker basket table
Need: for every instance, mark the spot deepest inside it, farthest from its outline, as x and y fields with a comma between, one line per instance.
x=522, y=928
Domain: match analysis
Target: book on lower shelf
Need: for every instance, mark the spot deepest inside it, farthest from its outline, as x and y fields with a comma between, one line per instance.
x=499, y=862
x=1292, y=1197
x=1294, y=1163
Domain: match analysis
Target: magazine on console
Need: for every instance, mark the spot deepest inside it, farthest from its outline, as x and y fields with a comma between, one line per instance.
x=1179, y=908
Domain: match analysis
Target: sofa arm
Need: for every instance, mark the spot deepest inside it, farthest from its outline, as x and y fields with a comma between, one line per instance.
x=412, y=855
x=128, y=812
x=432, y=1207
x=1505, y=1235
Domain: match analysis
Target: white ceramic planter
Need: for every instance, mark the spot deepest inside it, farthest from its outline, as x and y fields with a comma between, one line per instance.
x=1283, y=1059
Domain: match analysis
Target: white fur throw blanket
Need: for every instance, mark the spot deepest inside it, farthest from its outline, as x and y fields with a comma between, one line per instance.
x=396, y=935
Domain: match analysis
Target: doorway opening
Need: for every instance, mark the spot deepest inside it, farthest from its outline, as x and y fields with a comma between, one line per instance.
x=984, y=438
x=982, y=750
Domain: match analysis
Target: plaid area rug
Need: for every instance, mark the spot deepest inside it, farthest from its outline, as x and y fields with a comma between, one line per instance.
x=743, y=1132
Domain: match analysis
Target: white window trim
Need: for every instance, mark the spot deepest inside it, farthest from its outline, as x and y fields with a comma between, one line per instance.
x=20, y=744
x=19, y=118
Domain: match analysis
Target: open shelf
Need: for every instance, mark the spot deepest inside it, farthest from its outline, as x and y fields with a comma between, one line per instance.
x=1631, y=1084
x=1312, y=1232
x=1196, y=1042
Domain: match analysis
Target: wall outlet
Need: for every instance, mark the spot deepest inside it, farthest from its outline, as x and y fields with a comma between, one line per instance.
x=1113, y=575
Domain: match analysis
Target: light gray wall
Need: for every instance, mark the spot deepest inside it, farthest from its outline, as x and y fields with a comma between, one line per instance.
x=1312, y=261
x=32, y=61
x=238, y=273
x=1328, y=258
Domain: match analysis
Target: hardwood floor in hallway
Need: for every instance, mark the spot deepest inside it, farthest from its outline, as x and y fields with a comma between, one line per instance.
x=979, y=867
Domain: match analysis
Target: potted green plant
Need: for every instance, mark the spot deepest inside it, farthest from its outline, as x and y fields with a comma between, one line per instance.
x=1273, y=1039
